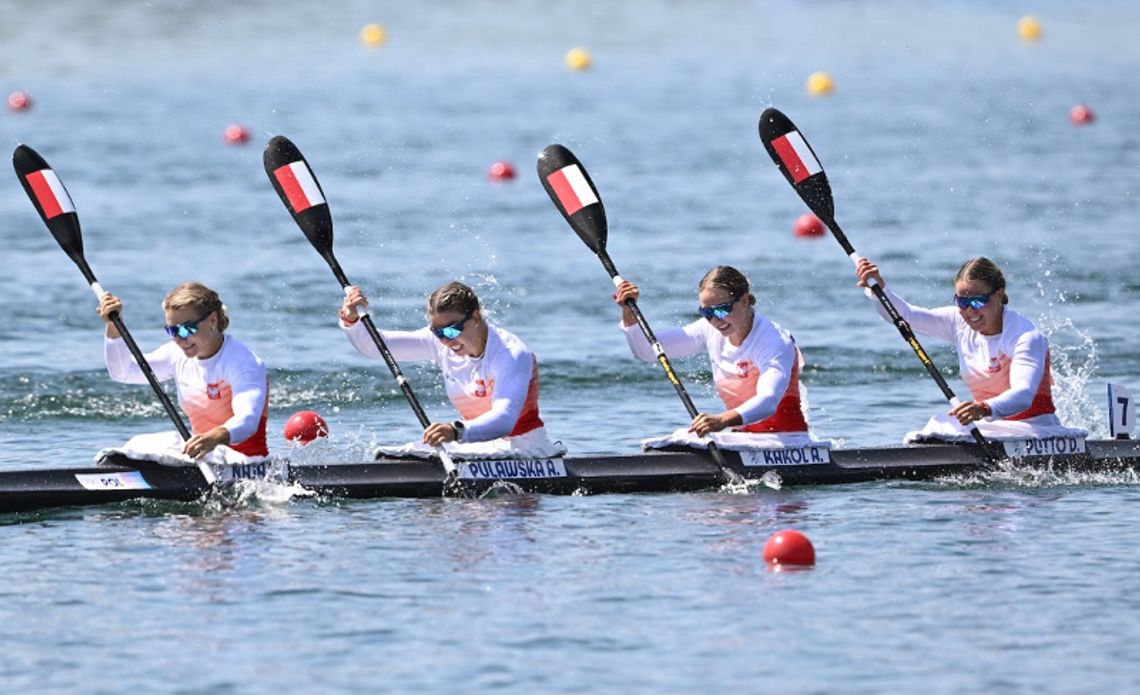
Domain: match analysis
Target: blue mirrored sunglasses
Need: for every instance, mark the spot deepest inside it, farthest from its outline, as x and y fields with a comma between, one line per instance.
x=972, y=301
x=185, y=329
x=720, y=311
x=452, y=330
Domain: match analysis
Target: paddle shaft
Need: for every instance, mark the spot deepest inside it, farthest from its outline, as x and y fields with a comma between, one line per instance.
x=906, y=332
x=140, y=359
x=663, y=360
x=393, y=366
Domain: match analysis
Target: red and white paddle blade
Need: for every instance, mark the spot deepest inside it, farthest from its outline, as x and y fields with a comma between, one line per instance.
x=797, y=162
x=52, y=202
x=299, y=190
x=574, y=194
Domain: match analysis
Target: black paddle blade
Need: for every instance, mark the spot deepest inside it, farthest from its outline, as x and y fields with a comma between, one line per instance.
x=573, y=193
x=797, y=161
x=297, y=185
x=52, y=201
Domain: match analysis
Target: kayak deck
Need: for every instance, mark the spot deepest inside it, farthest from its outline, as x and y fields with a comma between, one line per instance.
x=122, y=479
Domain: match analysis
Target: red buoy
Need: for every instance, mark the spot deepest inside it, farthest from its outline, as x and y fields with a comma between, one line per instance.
x=789, y=547
x=501, y=171
x=236, y=134
x=809, y=225
x=19, y=101
x=1081, y=115
x=305, y=426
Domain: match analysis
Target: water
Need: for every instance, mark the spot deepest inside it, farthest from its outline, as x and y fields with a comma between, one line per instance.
x=947, y=137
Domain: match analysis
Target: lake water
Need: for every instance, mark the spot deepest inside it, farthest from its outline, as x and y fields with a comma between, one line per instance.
x=947, y=137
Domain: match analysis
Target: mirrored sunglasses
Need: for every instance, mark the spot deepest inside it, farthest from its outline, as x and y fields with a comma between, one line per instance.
x=972, y=301
x=720, y=311
x=452, y=330
x=185, y=329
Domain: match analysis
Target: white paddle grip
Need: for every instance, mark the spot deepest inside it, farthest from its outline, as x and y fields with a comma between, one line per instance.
x=98, y=290
x=955, y=402
x=361, y=310
x=618, y=280
x=855, y=258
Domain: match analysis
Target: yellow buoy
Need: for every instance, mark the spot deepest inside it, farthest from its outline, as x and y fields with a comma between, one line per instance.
x=373, y=35
x=578, y=59
x=820, y=84
x=1029, y=28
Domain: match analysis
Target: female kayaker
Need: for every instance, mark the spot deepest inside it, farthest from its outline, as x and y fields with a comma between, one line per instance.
x=755, y=362
x=222, y=386
x=490, y=375
x=1002, y=357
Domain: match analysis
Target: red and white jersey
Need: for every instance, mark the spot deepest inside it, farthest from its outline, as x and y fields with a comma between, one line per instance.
x=496, y=393
x=230, y=388
x=758, y=378
x=1009, y=371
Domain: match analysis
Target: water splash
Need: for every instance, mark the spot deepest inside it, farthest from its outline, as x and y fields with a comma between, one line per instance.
x=1074, y=357
x=745, y=486
x=501, y=488
x=1012, y=474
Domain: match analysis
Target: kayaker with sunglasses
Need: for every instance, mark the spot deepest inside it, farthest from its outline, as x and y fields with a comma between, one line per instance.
x=755, y=362
x=490, y=375
x=222, y=386
x=1002, y=357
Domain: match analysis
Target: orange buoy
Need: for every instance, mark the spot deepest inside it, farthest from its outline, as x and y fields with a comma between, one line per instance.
x=808, y=225
x=1029, y=29
x=373, y=34
x=305, y=426
x=578, y=59
x=789, y=547
x=819, y=84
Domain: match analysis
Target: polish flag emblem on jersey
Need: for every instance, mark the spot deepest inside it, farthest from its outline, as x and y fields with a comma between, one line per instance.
x=796, y=156
x=480, y=388
x=50, y=193
x=213, y=391
x=300, y=187
x=572, y=189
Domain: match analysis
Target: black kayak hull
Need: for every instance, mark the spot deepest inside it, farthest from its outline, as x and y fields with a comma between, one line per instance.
x=122, y=479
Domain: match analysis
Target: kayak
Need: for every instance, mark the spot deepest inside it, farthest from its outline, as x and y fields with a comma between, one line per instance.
x=118, y=478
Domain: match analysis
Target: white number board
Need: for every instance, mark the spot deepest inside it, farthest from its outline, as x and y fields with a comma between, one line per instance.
x=1121, y=411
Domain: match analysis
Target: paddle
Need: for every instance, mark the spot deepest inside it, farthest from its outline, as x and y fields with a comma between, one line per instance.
x=576, y=197
x=297, y=185
x=57, y=211
x=799, y=165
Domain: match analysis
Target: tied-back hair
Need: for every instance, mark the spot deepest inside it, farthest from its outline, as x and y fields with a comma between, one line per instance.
x=984, y=270
x=198, y=296
x=454, y=296
x=729, y=279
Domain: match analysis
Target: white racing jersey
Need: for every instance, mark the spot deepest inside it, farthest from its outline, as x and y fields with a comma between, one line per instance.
x=759, y=378
x=1010, y=371
x=230, y=388
x=496, y=393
